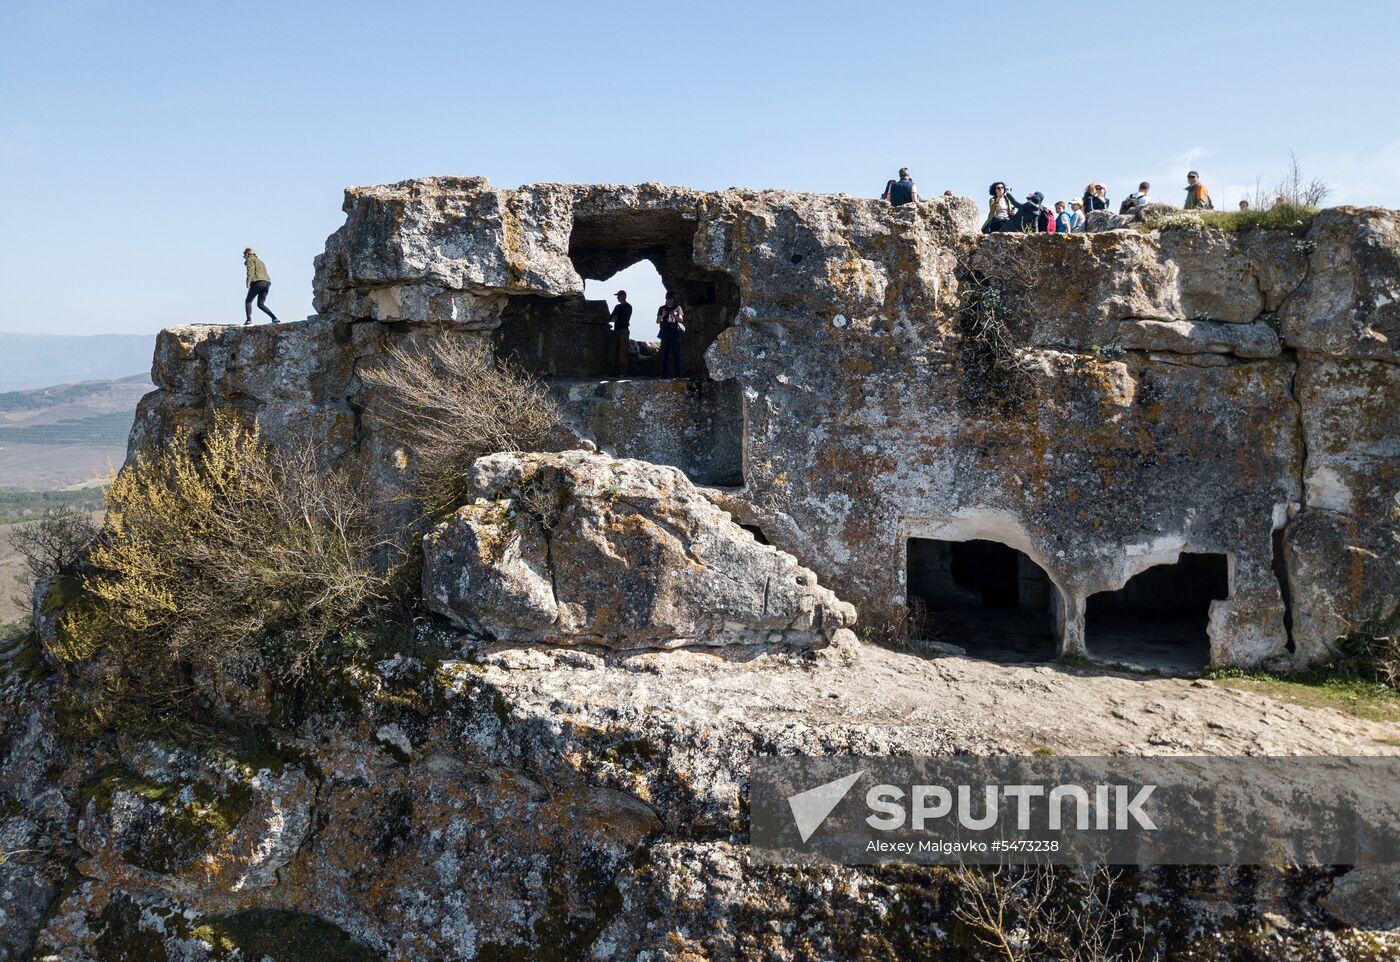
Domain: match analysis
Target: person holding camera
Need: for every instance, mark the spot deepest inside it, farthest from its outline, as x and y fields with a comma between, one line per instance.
x=1034, y=217
x=670, y=320
x=1095, y=198
x=1001, y=209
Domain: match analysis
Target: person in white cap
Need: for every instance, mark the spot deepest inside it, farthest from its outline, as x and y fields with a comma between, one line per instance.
x=1076, y=217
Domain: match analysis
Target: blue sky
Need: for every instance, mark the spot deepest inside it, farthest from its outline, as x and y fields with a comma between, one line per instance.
x=143, y=145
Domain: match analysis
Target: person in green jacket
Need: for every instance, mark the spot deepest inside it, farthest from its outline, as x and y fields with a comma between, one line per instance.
x=257, y=283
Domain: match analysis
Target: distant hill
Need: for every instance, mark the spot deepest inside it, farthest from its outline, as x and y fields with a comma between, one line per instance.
x=30, y=361
x=65, y=435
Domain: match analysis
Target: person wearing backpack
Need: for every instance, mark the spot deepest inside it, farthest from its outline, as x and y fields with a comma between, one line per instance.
x=1197, y=197
x=902, y=191
x=1034, y=217
x=1132, y=202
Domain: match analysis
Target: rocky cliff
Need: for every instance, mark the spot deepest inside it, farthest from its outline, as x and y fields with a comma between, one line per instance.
x=1014, y=433
x=1138, y=397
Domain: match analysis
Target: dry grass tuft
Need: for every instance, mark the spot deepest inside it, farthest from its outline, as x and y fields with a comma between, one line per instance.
x=453, y=401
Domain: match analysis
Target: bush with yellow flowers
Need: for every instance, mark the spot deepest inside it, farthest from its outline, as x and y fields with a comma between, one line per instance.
x=212, y=552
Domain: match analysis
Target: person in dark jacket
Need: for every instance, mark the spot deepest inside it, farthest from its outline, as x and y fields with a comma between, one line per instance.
x=670, y=319
x=258, y=284
x=1095, y=198
x=902, y=191
x=621, y=318
x=1033, y=217
x=1001, y=209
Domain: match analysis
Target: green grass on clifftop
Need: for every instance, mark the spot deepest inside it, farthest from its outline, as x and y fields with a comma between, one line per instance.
x=1286, y=217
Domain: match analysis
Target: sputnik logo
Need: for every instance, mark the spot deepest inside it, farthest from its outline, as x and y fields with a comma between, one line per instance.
x=810, y=808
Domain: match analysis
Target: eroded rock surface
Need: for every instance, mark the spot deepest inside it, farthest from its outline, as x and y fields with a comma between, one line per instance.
x=592, y=806
x=1160, y=398
x=583, y=548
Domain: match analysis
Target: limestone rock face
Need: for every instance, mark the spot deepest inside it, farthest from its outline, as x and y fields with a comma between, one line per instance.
x=1200, y=337
x=1163, y=398
x=1342, y=547
x=294, y=379
x=1348, y=304
x=577, y=547
x=587, y=807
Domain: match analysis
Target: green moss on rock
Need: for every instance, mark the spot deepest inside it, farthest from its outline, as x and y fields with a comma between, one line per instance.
x=191, y=818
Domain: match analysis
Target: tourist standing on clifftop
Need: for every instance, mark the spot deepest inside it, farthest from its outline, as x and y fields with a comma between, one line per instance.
x=621, y=318
x=902, y=191
x=1197, y=197
x=671, y=320
x=1095, y=198
x=257, y=283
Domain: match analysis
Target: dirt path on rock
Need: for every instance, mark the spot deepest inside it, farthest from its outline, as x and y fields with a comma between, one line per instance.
x=954, y=703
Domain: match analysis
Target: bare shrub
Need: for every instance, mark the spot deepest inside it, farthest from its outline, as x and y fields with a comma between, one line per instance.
x=1370, y=651
x=543, y=497
x=994, y=293
x=51, y=545
x=1298, y=189
x=208, y=556
x=1039, y=912
x=454, y=401
x=1293, y=189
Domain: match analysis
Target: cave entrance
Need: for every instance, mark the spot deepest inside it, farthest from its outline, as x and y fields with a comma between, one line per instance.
x=1160, y=618
x=983, y=596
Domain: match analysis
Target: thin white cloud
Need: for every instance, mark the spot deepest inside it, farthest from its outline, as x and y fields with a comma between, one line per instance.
x=1363, y=178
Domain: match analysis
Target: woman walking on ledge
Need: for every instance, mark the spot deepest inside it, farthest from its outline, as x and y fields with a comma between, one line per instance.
x=257, y=283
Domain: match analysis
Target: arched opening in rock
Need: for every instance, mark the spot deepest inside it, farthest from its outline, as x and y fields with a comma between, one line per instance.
x=1159, y=619
x=691, y=422
x=568, y=337
x=645, y=292
x=983, y=596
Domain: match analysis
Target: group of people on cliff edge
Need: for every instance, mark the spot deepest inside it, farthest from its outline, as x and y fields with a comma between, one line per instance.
x=1031, y=216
